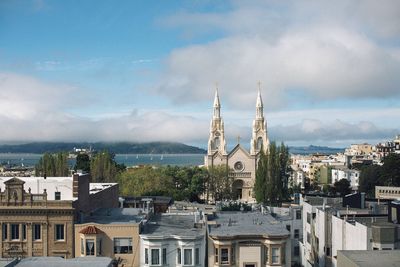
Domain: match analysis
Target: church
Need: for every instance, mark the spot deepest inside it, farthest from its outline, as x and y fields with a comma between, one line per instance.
x=241, y=163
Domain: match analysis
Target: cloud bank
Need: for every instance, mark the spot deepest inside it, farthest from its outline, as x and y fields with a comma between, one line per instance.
x=324, y=51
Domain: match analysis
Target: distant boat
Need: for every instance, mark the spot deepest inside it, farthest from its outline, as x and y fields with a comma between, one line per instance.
x=137, y=156
x=162, y=156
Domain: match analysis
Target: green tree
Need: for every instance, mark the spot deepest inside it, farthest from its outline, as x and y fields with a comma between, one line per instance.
x=390, y=170
x=220, y=183
x=272, y=175
x=369, y=178
x=82, y=163
x=342, y=187
x=260, y=185
x=103, y=167
x=52, y=165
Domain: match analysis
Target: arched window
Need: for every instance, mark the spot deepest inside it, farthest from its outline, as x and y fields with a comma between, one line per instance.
x=215, y=144
x=259, y=143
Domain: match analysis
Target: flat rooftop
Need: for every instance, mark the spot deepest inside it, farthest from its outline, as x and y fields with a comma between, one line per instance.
x=115, y=216
x=51, y=184
x=63, y=185
x=248, y=223
x=166, y=225
x=370, y=258
x=97, y=187
x=60, y=262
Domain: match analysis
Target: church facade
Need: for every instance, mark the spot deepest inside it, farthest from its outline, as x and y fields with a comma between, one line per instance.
x=241, y=163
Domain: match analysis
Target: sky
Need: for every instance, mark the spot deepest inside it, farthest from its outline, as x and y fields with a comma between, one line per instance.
x=147, y=70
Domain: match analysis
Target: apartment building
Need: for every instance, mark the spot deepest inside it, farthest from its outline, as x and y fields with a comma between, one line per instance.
x=174, y=240
x=34, y=224
x=37, y=214
x=291, y=217
x=353, y=176
x=111, y=232
x=247, y=240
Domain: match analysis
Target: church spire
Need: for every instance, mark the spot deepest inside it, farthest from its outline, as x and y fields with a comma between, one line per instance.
x=259, y=104
x=217, y=105
x=216, y=141
x=259, y=137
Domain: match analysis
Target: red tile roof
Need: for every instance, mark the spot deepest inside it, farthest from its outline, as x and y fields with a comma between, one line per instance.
x=90, y=230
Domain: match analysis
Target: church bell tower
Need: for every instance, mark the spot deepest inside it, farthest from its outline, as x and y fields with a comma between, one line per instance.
x=259, y=137
x=216, y=140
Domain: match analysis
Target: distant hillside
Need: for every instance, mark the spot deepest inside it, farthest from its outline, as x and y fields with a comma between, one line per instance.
x=117, y=148
x=305, y=150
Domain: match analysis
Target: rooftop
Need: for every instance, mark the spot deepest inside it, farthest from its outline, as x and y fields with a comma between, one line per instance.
x=51, y=184
x=371, y=258
x=115, y=216
x=166, y=225
x=250, y=223
x=60, y=262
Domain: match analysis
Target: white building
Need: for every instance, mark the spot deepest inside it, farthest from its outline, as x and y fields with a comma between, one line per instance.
x=351, y=175
x=291, y=217
x=173, y=240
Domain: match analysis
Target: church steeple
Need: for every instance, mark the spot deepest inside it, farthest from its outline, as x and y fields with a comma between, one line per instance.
x=259, y=105
x=217, y=105
x=259, y=137
x=216, y=140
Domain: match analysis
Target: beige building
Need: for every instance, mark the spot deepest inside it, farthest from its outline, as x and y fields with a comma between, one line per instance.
x=248, y=240
x=33, y=225
x=37, y=214
x=242, y=163
x=387, y=192
x=111, y=233
x=359, y=149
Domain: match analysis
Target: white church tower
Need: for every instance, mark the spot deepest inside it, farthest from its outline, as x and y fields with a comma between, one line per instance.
x=216, y=141
x=259, y=137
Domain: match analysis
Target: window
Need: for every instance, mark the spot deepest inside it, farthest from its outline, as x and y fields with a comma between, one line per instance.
x=308, y=238
x=224, y=255
x=197, y=256
x=298, y=214
x=296, y=233
x=164, y=256
x=59, y=232
x=123, y=245
x=89, y=247
x=187, y=256
x=216, y=255
x=57, y=195
x=14, y=231
x=82, y=247
x=155, y=256
x=288, y=227
x=5, y=231
x=37, y=232
x=275, y=255
x=179, y=256
x=328, y=251
x=23, y=231
x=296, y=250
x=146, y=256
x=308, y=218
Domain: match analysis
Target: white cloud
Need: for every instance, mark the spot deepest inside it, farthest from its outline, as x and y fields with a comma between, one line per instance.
x=322, y=50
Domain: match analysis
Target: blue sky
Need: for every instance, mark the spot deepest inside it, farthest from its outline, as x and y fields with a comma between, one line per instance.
x=146, y=70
